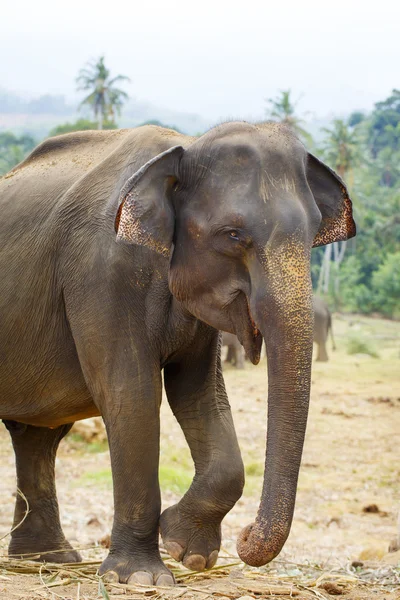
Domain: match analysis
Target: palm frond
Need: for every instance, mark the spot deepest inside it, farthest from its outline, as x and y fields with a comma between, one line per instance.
x=118, y=78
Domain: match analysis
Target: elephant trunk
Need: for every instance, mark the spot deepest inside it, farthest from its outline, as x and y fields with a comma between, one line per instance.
x=284, y=313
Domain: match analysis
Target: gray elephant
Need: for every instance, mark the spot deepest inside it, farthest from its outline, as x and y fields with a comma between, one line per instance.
x=122, y=254
x=235, y=354
x=322, y=326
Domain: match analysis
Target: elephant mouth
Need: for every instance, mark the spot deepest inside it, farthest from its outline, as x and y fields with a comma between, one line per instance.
x=245, y=327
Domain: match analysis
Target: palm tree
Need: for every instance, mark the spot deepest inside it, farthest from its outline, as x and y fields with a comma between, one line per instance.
x=104, y=99
x=342, y=151
x=341, y=147
x=283, y=110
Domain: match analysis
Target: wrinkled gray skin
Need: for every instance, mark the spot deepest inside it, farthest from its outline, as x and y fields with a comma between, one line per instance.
x=322, y=326
x=214, y=233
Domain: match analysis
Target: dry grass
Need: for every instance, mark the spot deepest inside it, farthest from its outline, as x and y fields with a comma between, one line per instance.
x=283, y=579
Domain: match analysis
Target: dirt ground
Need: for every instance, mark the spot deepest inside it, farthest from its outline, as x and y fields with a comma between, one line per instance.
x=348, y=496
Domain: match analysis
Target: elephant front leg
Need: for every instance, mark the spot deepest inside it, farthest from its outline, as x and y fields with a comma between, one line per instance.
x=132, y=422
x=191, y=529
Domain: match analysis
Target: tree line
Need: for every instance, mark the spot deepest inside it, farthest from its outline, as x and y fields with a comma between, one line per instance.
x=361, y=275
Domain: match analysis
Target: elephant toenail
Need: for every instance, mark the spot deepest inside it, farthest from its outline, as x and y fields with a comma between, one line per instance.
x=195, y=562
x=141, y=578
x=212, y=559
x=175, y=550
x=111, y=577
x=165, y=580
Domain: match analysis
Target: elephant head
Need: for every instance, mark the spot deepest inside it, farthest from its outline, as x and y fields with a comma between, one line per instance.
x=238, y=212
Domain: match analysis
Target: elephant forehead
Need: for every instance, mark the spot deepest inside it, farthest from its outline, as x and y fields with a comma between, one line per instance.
x=271, y=184
x=249, y=180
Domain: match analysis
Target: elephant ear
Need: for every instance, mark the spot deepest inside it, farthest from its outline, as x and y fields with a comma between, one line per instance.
x=145, y=215
x=333, y=201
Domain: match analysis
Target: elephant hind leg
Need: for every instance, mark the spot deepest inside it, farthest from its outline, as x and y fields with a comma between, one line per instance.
x=39, y=534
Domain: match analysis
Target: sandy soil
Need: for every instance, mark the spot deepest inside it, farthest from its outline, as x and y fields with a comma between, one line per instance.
x=350, y=464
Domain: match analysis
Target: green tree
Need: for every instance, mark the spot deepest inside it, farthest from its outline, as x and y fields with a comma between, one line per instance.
x=104, y=98
x=341, y=147
x=13, y=149
x=384, y=125
x=386, y=281
x=341, y=150
x=366, y=278
x=356, y=295
x=387, y=164
x=80, y=125
x=283, y=109
x=355, y=118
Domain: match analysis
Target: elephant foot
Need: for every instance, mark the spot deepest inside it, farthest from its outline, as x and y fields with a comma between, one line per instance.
x=117, y=568
x=36, y=549
x=188, y=540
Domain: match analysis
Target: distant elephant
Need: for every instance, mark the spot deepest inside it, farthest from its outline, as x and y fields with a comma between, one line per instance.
x=322, y=325
x=235, y=354
x=122, y=254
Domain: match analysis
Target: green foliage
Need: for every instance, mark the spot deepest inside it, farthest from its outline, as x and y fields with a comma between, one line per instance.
x=101, y=478
x=254, y=469
x=365, y=151
x=384, y=125
x=174, y=479
x=80, y=125
x=341, y=148
x=104, y=99
x=386, y=282
x=355, y=296
x=13, y=150
x=358, y=344
x=355, y=118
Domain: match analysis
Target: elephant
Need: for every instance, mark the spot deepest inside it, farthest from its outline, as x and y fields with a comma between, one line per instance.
x=236, y=354
x=123, y=253
x=322, y=327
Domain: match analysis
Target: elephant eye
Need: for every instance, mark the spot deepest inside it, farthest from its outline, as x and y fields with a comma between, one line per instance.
x=234, y=235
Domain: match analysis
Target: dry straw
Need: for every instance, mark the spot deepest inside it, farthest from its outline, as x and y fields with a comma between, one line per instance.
x=233, y=579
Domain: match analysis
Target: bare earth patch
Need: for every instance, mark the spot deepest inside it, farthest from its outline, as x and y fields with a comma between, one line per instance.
x=347, y=503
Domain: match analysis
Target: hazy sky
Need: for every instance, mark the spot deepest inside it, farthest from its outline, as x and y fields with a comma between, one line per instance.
x=216, y=58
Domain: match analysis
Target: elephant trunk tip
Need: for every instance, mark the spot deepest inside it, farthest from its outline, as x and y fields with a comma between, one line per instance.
x=253, y=549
